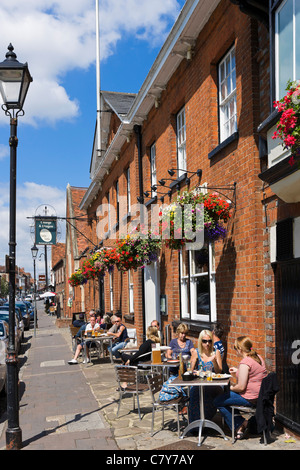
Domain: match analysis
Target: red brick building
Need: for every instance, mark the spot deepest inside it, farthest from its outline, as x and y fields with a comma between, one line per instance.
x=206, y=104
x=58, y=256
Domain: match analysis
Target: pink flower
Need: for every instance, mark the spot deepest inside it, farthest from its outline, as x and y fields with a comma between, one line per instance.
x=290, y=140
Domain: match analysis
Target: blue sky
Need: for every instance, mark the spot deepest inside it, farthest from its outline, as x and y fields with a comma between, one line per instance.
x=57, y=39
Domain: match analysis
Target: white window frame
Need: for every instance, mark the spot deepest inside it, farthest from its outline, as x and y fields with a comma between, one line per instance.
x=128, y=191
x=111, y=292
x=153, y=168
x=108, y=214
x=190, y=279
x=227, y=116
x=280, y=93
x=181, y=142
x=117, y=202
x=130, y=288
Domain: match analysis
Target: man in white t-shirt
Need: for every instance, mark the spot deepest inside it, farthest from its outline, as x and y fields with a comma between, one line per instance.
x=92, y=325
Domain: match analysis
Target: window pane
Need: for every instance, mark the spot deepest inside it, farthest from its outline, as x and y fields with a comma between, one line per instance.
x=227, y=91
x=203, y=303
x=185, y=263
x=200, y=261
x=285, y=46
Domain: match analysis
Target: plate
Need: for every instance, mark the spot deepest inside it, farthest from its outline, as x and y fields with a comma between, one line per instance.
x=220, y=376
x=173, y=361
x=164, y=348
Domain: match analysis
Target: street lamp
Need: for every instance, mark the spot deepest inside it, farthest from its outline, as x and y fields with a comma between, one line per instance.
x=14, y=83
x=34, y=252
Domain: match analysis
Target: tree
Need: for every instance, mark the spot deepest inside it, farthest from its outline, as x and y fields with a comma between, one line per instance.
x=3, y=287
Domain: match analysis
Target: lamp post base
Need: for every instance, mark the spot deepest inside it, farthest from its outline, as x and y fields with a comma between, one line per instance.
x=13, y=439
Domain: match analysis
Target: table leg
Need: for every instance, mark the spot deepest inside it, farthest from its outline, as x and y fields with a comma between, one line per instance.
x=202, y=422
x=110, y=352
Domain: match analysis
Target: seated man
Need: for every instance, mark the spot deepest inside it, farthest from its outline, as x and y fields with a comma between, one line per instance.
x=92, y=325
x=120, y=337
x=80, y=322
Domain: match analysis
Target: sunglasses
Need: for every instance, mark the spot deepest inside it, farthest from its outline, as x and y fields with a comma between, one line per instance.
x=204, y=341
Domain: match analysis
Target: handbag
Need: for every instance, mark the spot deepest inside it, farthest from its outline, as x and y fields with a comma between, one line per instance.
x=170, y=392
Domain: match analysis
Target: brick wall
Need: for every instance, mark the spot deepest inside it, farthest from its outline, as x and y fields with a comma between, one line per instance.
x=240, y=263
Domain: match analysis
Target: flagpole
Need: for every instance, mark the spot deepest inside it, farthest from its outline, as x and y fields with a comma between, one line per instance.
x=98, y=84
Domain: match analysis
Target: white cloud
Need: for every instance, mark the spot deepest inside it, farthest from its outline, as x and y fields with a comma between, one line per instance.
x=56, y=37
x=4, y=151
x=31, y=198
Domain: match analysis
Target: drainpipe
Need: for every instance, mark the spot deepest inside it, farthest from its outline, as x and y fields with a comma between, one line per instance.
x=137, y=130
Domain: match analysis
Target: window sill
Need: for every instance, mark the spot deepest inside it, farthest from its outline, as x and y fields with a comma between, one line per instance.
x=268, y=123
x=129, y=317
x=234, y=137
x=178, y=181
x=151, y=201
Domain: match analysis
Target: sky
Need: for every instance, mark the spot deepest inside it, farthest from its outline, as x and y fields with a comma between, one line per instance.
x=55, y=136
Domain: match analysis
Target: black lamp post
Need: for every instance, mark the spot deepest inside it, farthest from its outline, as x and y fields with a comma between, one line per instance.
x=14, y=83
x=34, y=252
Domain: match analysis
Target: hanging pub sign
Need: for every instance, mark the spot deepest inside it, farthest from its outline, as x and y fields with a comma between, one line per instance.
x=45, y=231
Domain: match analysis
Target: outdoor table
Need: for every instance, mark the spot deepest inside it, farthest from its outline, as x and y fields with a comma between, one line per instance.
x=165, y=365
x=202, y=422
x=99, y=339
x=129, y=350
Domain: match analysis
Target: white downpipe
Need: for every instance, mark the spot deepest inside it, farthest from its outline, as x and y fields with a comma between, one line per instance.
x=98, y=84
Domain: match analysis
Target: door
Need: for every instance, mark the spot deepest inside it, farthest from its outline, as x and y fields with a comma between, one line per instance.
x=152, y=293
x=287, y=277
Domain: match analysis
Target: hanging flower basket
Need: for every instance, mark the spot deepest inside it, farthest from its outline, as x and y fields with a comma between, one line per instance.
x=186, y=210
x=105, y=259
x=78, y=278
x=137, y=250
x=288, y=126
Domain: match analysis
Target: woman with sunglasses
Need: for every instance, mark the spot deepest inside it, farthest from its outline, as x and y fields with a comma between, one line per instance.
x=205, y=357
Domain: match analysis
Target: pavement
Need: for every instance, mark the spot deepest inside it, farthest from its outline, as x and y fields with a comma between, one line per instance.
x=74, y=407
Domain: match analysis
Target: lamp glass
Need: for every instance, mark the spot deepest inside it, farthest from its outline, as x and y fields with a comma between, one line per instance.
x=34, y=251
x=14, y=81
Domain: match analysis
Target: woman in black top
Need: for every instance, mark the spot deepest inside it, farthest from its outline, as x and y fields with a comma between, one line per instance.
x=144, y=352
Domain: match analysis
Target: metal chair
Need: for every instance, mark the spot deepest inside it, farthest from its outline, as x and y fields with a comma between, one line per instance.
x=129, y=374
x=268, y=389
x=155, y=382
x=73, y=331
x=243, y=409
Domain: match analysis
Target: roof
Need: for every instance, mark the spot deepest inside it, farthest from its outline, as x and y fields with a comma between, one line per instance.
x=120, y=103
x=57, y=253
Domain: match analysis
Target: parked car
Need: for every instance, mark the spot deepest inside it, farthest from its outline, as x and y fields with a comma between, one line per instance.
x=29, y=298
x=24, y=311
x=18, y=319
x=4, y=316
x=4, y=331
x=2, y=367
x=30, y=310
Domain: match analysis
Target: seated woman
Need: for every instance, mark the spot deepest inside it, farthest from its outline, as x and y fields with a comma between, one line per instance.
x=250, y=373
x=181, y=344
x=144, y=352
x=206, y=359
